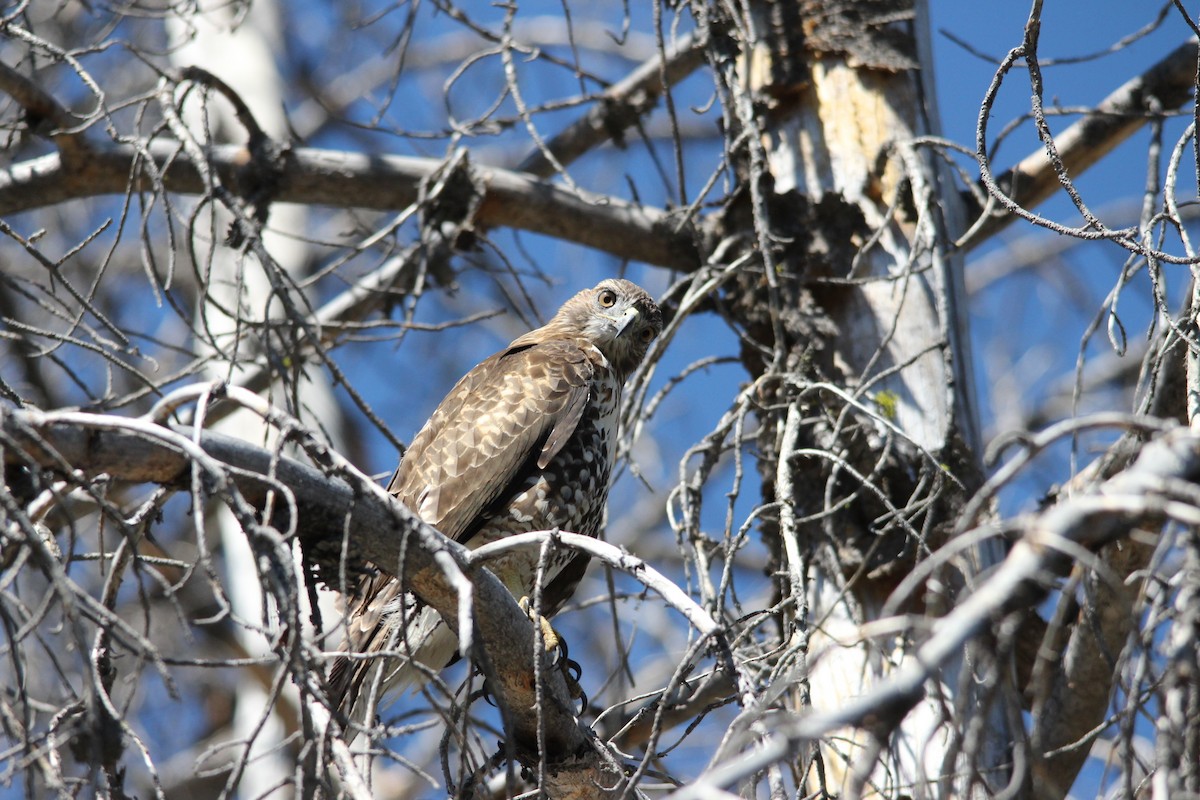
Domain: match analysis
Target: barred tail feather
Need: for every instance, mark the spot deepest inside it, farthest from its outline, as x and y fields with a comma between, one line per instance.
x=358, y=685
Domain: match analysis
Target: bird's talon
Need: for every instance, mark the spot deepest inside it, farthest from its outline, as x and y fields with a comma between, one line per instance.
x=572, y=672
x=550, y=639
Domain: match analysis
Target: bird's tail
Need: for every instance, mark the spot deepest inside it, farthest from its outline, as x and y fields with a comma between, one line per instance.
x=398, y=654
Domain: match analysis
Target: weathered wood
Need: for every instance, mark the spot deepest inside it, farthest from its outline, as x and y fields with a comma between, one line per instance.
x=325, y=512
x=842, y=90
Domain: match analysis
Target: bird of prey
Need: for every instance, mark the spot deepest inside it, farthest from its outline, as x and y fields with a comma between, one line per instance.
x=524, y=442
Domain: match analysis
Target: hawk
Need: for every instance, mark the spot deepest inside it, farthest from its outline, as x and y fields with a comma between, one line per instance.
x=524, y=442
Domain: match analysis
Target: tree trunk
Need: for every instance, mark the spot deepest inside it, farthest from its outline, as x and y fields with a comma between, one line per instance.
x=869, y=428
x=240, y=298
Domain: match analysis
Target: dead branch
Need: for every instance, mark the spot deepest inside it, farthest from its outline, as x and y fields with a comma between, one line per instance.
x=620, y=107
x=352, y=180
x=613, y=556
x=324, y=507
x=1035, y=178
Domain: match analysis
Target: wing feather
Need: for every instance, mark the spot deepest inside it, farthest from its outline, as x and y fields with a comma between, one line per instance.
x=564, y=426
x=483, y=437
x=522, y=403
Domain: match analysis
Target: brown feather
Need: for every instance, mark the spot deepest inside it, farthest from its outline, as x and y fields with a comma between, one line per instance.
x=486, y=430
x=523, y=442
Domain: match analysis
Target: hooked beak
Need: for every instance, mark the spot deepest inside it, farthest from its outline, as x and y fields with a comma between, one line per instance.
x=625, y=320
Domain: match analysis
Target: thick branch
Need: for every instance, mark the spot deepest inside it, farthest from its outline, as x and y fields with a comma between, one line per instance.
x=1081, y=676
x=1170, y=82
x=136, y=451
x=620, y=107
x=352, y=180
x=43, y=112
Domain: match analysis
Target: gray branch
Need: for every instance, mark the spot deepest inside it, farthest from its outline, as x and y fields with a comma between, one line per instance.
x=1091, y=520
x=351, y=180
x=381, y=532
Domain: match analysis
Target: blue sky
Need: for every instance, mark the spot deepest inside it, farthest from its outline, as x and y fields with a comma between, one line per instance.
x=1027, y=333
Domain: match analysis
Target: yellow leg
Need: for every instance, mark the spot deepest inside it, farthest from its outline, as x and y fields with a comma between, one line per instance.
x=550, y=638
x=552, y=641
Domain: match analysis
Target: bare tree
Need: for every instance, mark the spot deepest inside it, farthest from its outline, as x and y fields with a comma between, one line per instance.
x=248, y=246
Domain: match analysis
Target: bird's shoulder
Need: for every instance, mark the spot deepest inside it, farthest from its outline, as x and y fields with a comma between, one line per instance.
x=525, y=375
x=520, y=404
x=567, y=359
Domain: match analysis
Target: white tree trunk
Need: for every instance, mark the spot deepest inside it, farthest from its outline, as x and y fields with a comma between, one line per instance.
x=903, y=337
x=238, y=50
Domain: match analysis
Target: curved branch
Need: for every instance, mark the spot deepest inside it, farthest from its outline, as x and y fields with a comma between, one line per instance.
x=351, y=180
x=616, y=558
x=325, y=507
x=1120, y=115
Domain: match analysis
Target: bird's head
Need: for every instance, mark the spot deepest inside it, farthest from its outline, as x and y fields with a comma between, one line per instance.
x=617, y=316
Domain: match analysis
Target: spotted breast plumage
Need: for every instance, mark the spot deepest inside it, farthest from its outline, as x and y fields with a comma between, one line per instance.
x=524, y=442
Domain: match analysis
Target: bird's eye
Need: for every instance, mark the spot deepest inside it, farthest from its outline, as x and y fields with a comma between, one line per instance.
x=608, y=298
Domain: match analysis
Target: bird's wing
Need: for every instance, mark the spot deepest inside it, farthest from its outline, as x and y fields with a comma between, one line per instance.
x=514, y=411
